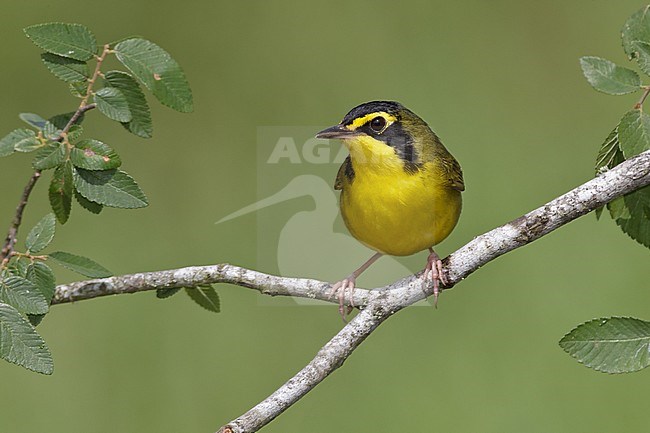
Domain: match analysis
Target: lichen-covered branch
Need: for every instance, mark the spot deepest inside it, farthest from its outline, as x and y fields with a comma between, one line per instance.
x=376, y=305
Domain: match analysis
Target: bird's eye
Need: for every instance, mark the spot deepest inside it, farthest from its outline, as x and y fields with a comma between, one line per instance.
x=377, y=124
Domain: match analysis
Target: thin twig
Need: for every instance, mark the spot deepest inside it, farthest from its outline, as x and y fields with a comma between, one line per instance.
x=646, y=92
x=10, y=240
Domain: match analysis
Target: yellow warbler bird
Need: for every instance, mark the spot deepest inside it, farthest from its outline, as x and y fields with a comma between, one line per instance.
x=400, y=187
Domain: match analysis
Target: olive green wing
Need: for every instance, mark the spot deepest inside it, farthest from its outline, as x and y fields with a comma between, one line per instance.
x=454, y=173
x=345, y=174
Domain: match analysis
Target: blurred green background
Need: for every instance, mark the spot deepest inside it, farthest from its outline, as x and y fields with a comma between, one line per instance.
x=499, y=81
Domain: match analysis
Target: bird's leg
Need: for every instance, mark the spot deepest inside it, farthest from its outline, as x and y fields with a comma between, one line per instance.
x=347, y=284
x=433, y=271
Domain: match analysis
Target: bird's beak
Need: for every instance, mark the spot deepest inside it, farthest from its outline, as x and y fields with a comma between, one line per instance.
x=337, y=131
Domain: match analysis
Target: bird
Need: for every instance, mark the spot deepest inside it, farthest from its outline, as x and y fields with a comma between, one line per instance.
x=400, y=188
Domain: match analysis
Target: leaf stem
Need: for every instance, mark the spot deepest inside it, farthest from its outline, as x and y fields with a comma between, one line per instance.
x=639, y=105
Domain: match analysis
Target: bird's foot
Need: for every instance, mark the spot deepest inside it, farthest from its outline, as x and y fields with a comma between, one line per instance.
x=433, y=273
x=340, y=288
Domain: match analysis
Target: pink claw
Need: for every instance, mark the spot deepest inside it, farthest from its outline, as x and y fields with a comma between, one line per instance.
x=433, y=272
x=340, y=288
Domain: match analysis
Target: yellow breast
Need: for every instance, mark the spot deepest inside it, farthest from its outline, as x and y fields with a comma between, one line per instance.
x=396, y=212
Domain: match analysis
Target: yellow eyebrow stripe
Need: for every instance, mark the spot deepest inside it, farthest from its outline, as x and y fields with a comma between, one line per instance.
x=360, y=121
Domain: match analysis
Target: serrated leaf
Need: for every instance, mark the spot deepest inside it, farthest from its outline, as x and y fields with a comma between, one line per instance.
x=35, y=319
x=90, y=206
x=632, y=214
x=636, y=37
x=156, y=69
x=22, y=140
x=50, y=156
x=140, y=123
x=609, y=155
x=112, y=103
x=80, y=264
x=66, y=69
x=74, y=133
x=18, y=266
x=610, y=345
x=206, y=297
x=598, y=212
x=23, y=295
x=68, y=40
x=634, y=133
x=607, y=77
x=113, y=188
x=43, y=278
x=60, y=191
x=20, y=343
x=51, y=132
x=94, y=155
x=78, y=89
x=42, y=234
x=643, y=56
x=163, y=293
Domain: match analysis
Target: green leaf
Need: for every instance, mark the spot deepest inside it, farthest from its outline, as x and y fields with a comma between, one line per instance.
x=43, y=278
x=20, y=343
x=78, y=88
x=643, y=56
x=90, y=206
x=66, y=69
x=80, y=264
x=33, y=119
x=609, y=155
x=607, y=77
x=636, y=38
x=156, y=69
x=68, y=40
x=634, y=133
x=35, y=319
x=22, y=140
x=113, y=188
x=50, y=156
x=94, y=155
x=610, y=345
x=162, y=293
x=60, y=191
x=112, y=103
x=42, y=234
x=23, y=295
x=205, y=296
x=74, y=133
x=18, y=266
x=632, y=214
x=598, y=212
x=140, y=123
